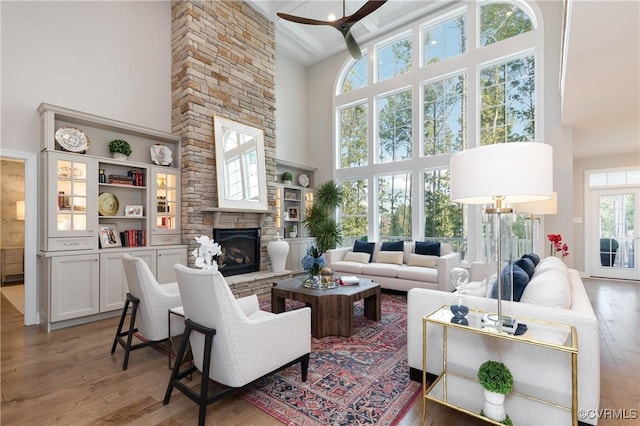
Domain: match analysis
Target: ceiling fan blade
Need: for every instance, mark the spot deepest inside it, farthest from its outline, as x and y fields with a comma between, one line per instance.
x=352, y=45
x=366, y=9
x=301, y=20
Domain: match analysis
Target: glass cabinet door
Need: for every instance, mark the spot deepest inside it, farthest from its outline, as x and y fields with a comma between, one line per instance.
x=165, y=196
x=72, y=195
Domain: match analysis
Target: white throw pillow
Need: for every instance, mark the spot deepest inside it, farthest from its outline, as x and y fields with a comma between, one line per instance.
x=358, y=257
x=551, y=263
x=549, y=288
x=424, y=260
x=394, y=257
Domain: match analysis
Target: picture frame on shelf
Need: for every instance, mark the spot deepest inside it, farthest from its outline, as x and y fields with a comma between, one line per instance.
x=293, y=213
x=109, y=235
x=134, y=211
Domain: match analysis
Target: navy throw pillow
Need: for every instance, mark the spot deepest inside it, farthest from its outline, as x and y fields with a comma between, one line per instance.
x=364, y=247
x=534, y=258
x=526, y=264
x=520, y=281
x=427, y=247
x=392, y=246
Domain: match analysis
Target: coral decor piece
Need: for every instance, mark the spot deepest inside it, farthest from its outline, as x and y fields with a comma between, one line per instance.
x=208, y=251
x=557, y=246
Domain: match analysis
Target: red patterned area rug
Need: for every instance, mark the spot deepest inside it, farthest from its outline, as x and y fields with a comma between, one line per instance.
x=357, y=380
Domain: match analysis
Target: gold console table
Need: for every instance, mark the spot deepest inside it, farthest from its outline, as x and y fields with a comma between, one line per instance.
x=465, y=394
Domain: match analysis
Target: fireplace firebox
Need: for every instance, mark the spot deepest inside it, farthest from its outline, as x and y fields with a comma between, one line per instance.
x=240, y=250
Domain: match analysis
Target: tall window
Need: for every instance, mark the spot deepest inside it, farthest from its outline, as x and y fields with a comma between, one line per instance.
x=507, y=109
x=355, y=209
x=353, y=136
x=445, y=116
x=394, y=127
x=394, y=196
x=398, y=130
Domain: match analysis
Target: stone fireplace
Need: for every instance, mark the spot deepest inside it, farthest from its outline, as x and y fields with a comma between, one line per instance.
x=223, y=63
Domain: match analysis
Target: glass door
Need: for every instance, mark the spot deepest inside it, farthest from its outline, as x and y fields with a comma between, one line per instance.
x=614, y=235
x=72, y=183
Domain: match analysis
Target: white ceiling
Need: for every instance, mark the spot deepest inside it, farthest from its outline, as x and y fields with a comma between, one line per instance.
x=602, y=72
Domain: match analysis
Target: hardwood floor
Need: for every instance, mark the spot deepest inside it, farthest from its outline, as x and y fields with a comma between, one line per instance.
x=69, y=377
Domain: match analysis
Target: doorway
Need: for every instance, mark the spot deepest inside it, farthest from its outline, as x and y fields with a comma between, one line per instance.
x=12, y=231
x=612, y=234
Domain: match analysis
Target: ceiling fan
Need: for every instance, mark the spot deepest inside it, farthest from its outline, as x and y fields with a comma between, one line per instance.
x=343, y=24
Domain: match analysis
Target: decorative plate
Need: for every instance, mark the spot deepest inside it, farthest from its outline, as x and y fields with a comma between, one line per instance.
x=304, y=180
x=107, y=204
x=72, y=139
x=161, y=155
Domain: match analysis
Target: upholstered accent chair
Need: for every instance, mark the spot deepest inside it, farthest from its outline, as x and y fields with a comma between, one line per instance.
x=233, y=342
x=150, y=303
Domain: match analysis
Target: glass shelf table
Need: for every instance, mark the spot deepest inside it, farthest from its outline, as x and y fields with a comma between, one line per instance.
x=446, y=387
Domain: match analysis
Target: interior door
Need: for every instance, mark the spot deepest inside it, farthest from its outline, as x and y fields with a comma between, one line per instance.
x=614, y=235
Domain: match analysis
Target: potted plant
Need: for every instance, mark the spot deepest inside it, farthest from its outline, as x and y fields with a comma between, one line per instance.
x=319, y=217
x=287, y=178
x=119, y=149
x=497, y=381
x=608, y=249
x=293, y=231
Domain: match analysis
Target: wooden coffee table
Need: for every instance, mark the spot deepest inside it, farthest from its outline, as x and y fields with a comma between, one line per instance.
x=331, y=309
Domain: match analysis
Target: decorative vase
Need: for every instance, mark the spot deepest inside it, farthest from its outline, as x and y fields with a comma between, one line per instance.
x=494, y=406
x=118, y=156
x=287, y=182
x=313, y=281
x=278, y=250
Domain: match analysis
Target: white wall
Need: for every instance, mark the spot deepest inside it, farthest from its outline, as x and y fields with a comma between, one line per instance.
x=107, y=58
x=291, y=110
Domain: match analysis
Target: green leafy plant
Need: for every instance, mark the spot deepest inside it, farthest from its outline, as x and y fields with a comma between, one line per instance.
x=120, y=146
x=319, y=217
x=494, y=376
x=286, y=176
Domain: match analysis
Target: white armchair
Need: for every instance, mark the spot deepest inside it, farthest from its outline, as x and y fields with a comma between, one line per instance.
x=150, y=305
x=233, y=342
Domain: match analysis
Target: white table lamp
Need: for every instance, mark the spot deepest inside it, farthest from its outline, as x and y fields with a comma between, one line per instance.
x=498, y=175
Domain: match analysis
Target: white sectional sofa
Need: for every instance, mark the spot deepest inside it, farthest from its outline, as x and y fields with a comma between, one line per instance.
x=538, y=371
x=398, y=271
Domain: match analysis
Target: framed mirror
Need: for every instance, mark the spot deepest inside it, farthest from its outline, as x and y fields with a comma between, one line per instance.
x=240, y=164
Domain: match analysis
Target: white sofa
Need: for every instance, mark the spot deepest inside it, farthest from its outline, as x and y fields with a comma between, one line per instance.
x=402, y=275
x=538, y=371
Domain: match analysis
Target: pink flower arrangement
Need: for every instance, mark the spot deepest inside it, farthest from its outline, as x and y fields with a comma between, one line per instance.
x=557, y=246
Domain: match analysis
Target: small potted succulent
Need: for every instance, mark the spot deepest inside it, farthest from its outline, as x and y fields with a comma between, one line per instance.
x=119, y=149
x=287, y=178
x=497, y=381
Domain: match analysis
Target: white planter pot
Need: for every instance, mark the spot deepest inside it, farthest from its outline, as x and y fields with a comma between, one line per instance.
x=118, y=156
x=278, y=250
x=494, y=406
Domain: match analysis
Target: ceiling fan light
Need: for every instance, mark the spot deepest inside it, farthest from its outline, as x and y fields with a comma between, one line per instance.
x=331, y=17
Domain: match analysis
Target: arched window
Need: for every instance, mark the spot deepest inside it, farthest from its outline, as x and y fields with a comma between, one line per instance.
x=500, y=21
x=396, y=132
x=357, y=76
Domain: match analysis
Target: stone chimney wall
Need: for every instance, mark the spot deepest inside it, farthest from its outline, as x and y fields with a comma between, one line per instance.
x=223, y=64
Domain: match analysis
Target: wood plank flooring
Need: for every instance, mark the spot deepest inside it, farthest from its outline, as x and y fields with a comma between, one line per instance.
x=69, y=377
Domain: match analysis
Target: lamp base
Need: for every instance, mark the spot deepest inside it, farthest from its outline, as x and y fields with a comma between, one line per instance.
x=509, y=324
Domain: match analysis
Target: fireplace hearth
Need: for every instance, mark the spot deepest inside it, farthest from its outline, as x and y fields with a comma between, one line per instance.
x=240, y=250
